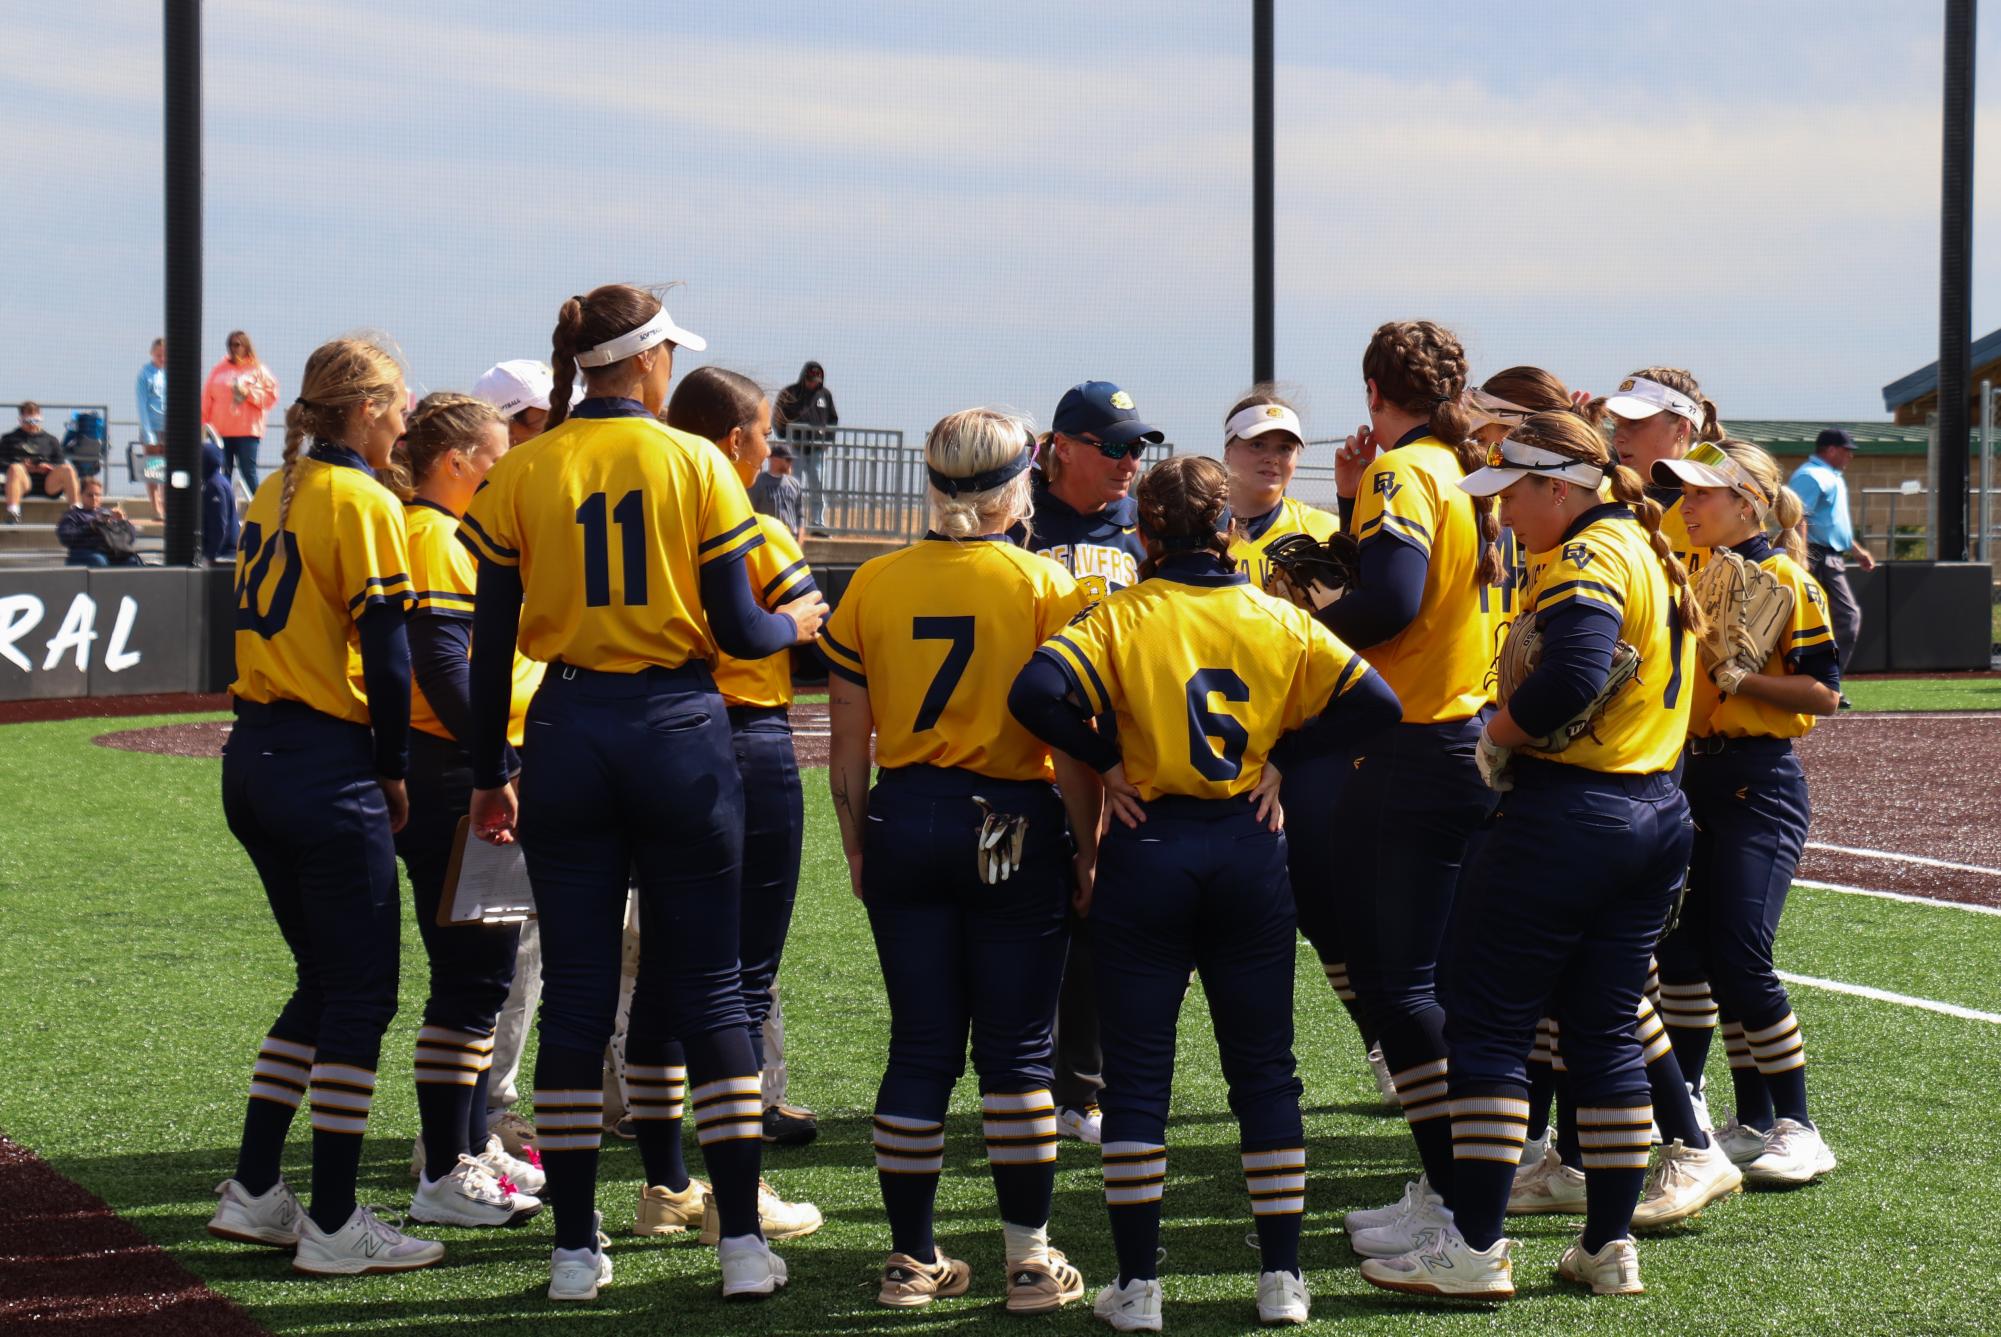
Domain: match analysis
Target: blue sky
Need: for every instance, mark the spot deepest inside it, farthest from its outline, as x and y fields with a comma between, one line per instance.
x=952, y=205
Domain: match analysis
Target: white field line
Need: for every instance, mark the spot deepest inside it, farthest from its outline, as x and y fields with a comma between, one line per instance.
x=1894, y=857
x=1906, y=898
x=1919, y=715
x=1900, y=999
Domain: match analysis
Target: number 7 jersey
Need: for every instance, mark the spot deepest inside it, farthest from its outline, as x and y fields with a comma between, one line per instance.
x=936, y=633
x=611, y=520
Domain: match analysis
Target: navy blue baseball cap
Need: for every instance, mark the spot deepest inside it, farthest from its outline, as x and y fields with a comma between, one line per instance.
x=1102, y=410
x=1833, y=436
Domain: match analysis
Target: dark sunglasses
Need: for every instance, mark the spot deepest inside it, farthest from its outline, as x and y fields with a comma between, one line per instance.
x=1116, y=452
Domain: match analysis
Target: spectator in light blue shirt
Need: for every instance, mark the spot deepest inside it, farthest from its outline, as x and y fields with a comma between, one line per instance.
x=1830, y=533
x=153, y=414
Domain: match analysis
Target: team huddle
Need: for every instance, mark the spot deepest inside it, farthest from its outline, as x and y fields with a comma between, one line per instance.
x=1508, y=739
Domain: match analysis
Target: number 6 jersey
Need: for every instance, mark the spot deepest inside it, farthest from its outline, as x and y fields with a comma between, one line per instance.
x=611, y=517
x=1205, y=672
x=936, y=632
x=301, y=589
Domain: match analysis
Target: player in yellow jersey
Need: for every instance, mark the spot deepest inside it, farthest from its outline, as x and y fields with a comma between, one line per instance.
x=962, y=850
x=1749, y=797
x=732, y=411
x=312, y=785
x=465, y=1177
x=1262, y=445
x=1422, y=613
x=1205, y=673
x=1576, y=879
x=611, y=547
x=1659, y=413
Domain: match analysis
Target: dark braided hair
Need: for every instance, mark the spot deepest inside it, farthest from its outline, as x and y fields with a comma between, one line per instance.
x=1185, y=497
x=600, y=315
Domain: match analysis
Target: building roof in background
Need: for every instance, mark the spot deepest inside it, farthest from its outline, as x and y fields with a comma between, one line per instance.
x=1906, y=391
x=1785, y=436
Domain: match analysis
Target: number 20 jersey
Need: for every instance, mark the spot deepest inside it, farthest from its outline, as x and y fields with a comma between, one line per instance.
x=937, y=632
x=1204, y=672
x=611, y=520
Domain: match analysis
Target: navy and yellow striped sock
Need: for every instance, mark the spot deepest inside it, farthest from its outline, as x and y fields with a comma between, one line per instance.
x=1754, y=1098
x=569, y=1128
x=1020, y=1128
x=1674, y=1106
x=1276, y=1180
x=278, y=1083
x=448, y=1064
x=725, y=1098
x=656, y=1094
x=1337, y=979
x=1488, y=1130
x=1135, y=1177
x=909, y=1156
x=341, y=1096
x=1780, y=1052
x=1615, y=1142
x=1691, y=1016
x=1542, y=1079
x=1427, y=1108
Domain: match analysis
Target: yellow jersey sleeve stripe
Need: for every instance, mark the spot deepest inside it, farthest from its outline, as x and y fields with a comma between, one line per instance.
x=1349, y=676
x=1606, y=592
x=1410, y=531
x=482, y=543
x=444, y=603
x=1572, y=592
x=835, y=666
x=382, y=589
x=783, y=578
x=829, y=643
x=1096, y=698
x=1810, y=637
x=731, y=542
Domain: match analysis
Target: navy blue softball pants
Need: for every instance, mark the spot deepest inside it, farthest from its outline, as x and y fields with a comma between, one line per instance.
x=774, y=825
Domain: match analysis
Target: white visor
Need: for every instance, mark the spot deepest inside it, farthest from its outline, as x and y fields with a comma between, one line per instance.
x=1711, y=466
x=1509, y=461
x=1486, y=409
x=1261, y=418
x=1639, y=397
x=659, y=330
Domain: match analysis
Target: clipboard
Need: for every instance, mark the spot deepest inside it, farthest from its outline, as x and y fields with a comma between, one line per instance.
x=486, y=884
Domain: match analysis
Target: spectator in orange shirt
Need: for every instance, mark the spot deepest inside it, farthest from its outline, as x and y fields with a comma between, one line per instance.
x=238, y=395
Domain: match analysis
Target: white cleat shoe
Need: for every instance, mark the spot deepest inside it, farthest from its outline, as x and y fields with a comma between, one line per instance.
x=576, y=1274
x=1534, y=1152
x=523, y=1171
x=1386, y=1087
x=1445, y=1264
x=1549, y=1188
x=1683, y=1182
x=751, y=1270
x=1741, y=1142
x=471, y=1195
x=1613, y=1270
x=1796, y=1153
x=1699, y=1100
x=1082, y=1125
x=777, y=1218
x=1133, y=1307
x=1368, y=1218
x=1282, y=1298
x=365, y=1243
x=1405, y=1233
x=271, y=1219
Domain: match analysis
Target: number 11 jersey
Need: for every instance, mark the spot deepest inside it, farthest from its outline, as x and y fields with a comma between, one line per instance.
x=936, y=633
x=611, y=518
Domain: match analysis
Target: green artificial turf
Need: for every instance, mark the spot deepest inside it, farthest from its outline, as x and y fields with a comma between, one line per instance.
x=1923, y=693
x=140, y=967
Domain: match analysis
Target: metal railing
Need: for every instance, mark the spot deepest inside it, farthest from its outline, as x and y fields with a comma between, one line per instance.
x=858, y=482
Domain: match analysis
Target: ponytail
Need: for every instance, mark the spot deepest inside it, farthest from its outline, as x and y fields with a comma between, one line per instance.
x=563, y=359
x=339, y=376
x=1626, y=488
x=295, y=441
x=1186, y=498
x=1788, y=512
x=583, y=323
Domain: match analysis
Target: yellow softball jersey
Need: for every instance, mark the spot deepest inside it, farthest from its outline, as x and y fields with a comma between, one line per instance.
x=301, y=588
x=443, y=574
x=1290, y=517
x=1438, y=664
x=1741, y=716
x=1610, y=563
x=937, y=632
x=1204, y=673
x=776, y=570
x=611, y=520
x=1674, y=526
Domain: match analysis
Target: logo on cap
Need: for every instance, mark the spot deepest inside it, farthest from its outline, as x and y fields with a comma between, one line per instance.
x=1121, y=400
x=1625, y=385
x=1495, y=459
x=1274, y=411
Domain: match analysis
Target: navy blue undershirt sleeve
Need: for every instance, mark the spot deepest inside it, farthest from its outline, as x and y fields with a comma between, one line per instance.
x=1346, y=505
x=385, y=676
x=741, y=628
x=1386, y=599
x=1040, y=701
x=1364, y=710
x=1820, y=664
x=1578, y=637
x=440, y=656
x=496, y=622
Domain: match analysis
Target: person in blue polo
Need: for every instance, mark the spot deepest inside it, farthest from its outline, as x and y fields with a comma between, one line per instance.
x=1830, y=533
x=1085, y=520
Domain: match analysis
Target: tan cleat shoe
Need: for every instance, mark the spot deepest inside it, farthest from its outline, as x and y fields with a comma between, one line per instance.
x=909, y=1284
x=1683, y=1181
x=776, y=1218
x=1042, y=1288
x=665, y=1212
x=1613, y=1270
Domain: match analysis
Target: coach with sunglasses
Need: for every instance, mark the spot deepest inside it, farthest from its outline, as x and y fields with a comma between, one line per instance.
x=1086, y=521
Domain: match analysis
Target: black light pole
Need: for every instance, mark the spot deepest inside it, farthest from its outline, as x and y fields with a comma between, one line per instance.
x=1955, y=281
x=1264, y=284
x=183, y=276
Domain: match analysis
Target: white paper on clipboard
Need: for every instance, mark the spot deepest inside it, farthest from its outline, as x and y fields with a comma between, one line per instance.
x=486, y=884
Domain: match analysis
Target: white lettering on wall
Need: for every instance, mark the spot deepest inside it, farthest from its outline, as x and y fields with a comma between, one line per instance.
x=79, y=629
x=19, y=615
x=116, y=657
